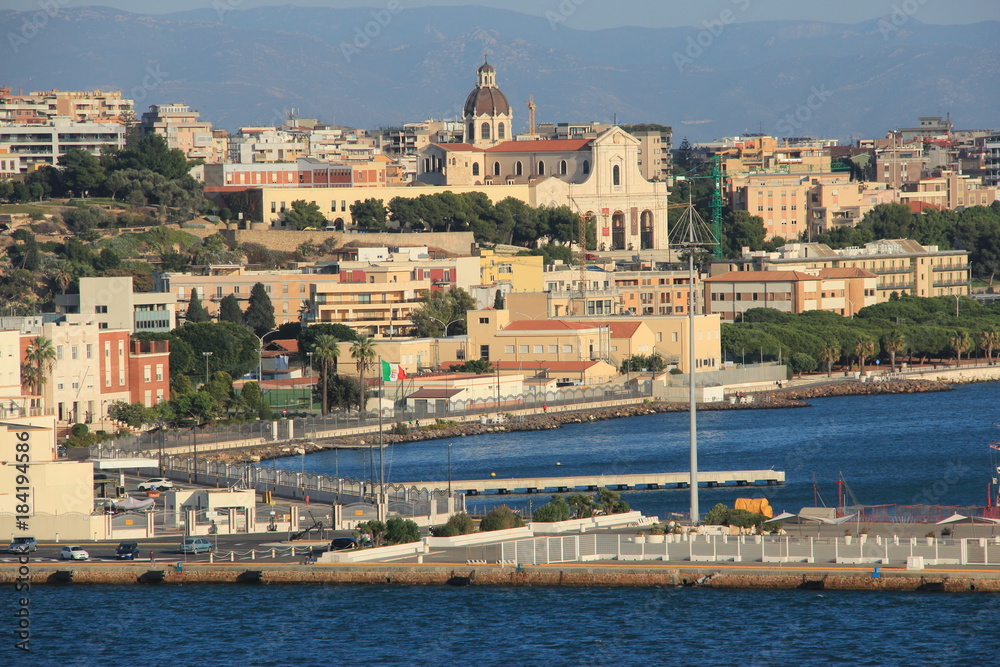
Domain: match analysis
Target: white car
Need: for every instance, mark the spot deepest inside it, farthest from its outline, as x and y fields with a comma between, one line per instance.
x=74, y=553
x=156, y=483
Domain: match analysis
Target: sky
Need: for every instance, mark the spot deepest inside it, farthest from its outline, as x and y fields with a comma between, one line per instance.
x=595, y=14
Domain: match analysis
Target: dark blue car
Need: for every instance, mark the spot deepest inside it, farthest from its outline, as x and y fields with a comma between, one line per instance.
x=127, y=551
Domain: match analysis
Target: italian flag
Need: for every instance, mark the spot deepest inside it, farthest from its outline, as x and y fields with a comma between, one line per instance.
x=392, y=372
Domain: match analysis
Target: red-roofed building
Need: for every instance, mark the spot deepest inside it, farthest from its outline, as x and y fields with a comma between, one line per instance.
x=841, y=290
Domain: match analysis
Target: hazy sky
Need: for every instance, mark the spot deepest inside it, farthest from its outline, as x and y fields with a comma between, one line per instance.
x=591, y=14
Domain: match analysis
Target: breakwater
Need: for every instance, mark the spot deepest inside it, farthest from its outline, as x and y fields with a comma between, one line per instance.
x=757, y=577
x=430, y=429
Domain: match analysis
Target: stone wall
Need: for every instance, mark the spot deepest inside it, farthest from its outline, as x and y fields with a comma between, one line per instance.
x=454, y=243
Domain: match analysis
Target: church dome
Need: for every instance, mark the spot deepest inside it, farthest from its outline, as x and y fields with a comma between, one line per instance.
x=486, y=101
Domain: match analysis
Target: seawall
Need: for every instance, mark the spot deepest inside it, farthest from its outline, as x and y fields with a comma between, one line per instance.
x=604, y=575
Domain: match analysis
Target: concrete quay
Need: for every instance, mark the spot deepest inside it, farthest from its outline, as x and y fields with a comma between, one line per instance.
x=680, y=480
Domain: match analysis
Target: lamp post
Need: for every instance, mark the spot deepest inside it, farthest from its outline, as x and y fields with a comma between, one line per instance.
x=310, y=355
x=449, y=469
x=260, y=358
x=206, y=355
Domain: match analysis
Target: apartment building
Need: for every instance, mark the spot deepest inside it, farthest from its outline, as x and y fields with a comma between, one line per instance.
x=181, y=127
x=839, y=290
x=949, y=189
x=41, y=144
x=81, y=106
x=655, y=157
x=840, y=204
x=288, y=290
x=378, y=301
x=112, y=303
x=902, y=266
x=781, y=200
x=655, y=292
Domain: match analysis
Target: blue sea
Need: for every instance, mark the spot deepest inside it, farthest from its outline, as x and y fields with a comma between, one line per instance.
x=890, y=449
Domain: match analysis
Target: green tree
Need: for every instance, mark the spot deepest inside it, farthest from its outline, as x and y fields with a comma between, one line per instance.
x=235, y=350
x=342, y=391
x=151, y=153
x=196, y=312
x=611, y=502
x=259, y=315
x=829, y=353
x=893, y=342
x=135, y=415
x=81, y=171
x=443, y=309
x=741, y=229
x=556, y=509
x=801, y=363
x=500, y=518
x=369, y=214
x=363, y=353
x=401, y=531
x=478, y=366
x=326, y=351
x=307, y=336
x=304, y=215
x=229, y=310
x=989, y=340
x=253, y=398
x=582, y=504
x=375, y=529
x=864, y=347
x=39, y=360
x=960, y=342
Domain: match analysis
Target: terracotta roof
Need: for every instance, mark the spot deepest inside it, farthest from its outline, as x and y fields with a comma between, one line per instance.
x=286, y=344
x=760, y=276
x=919, y=206
x=540, y=146
x=546, y=325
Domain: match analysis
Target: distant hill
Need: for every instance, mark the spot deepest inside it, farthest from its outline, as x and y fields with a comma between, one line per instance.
x=243, y=67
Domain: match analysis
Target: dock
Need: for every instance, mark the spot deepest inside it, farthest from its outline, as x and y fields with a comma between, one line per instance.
x=657, y=480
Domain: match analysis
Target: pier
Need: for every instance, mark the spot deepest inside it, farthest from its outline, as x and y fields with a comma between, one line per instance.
x=656, y=480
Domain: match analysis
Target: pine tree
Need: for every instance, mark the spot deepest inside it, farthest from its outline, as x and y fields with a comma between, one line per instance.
x=498, y=301
x=230, y=311
x=260, y=311
x=196, y=312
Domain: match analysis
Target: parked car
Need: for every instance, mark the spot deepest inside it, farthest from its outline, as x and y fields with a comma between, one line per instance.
x=127, y=551
x=196, y=545
x=155, y=483
x=22, y=545
x=74, y=553
x=342, y=543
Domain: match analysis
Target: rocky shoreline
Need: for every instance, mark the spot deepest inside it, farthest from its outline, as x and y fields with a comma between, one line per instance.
x=793, y=397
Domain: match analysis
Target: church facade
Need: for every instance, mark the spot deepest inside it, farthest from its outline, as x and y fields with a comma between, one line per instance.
x=599, y=178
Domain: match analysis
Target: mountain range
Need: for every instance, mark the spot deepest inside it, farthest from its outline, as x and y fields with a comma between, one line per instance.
x=371, y=68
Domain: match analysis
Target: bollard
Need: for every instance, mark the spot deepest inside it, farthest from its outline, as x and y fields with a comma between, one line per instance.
x=272, y=552
x=253, y=554
x=211, y=557
x=232, y=556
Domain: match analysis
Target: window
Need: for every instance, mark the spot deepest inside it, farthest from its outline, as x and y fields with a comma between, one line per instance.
x=484, y=131
x=501, y=131
x=541, y=168
x=101, y=309
x=505, y=268
x=616, y=175
x=484, y=352
x=486, y=320
x=563, y=167
x=509, y=349
x=567, y=349
x=586, y=166
x=522, y=349
x=475, y=168
x=364, y=298
x=90, y=351
x=218, y=291
x=553, y=349
x=59, y=352
x=496, y=168
x=74, y=352
x=539, y=349
x=518, y=170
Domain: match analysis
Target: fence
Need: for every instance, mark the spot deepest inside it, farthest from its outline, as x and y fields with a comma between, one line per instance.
x=215, y=438
x=742, y=548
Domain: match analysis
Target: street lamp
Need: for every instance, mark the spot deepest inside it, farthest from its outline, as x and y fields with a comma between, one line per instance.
x=206, y=355
x=260, y=358
x=445, y=335
x=449, y=469
x=310, y=355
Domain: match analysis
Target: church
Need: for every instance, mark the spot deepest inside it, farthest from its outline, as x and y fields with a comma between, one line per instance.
x=599, y=177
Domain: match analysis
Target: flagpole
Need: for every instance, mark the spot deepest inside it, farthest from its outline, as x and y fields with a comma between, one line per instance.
x=381, y=445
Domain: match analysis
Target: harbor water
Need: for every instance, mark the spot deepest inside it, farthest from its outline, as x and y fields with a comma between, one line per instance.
x=891, y=449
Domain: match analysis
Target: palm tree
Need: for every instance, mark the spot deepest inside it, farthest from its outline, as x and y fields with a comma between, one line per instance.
x=864, y=347
x=39, y=359
x=326, y=350
x=828, y=354
x=989, y=340
x=959, y=342
x=363, y=352
x=893, y=342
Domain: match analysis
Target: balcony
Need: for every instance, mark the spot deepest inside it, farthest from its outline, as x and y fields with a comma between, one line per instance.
x=904, y=286
x=960, y=283
x=950, y=268
x=891, y=270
